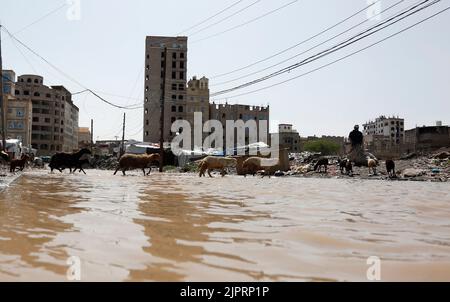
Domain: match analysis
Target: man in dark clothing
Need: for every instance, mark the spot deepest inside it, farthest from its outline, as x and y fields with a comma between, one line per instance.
x=356, y=137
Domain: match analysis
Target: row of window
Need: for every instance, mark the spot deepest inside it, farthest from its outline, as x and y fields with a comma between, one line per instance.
x=36, y=81
x=37, y=94
x=46, y=147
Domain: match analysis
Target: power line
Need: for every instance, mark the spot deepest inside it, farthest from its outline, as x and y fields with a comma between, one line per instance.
x=63, y=73
x=335, y=48
x=298, y=44
x=309, y=49
x=212, y=17
x=225, y=18
x=41, y=18
x=342, y=58
x=247, y=22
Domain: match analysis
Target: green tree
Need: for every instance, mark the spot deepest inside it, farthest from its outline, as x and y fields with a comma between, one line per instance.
x=323, y=146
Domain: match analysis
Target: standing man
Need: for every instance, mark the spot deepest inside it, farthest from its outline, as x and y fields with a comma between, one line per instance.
x=357, y=155
x=356, y=137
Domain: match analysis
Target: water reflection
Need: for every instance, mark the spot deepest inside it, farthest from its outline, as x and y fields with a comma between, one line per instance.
x=170, y=227
x=30, y=212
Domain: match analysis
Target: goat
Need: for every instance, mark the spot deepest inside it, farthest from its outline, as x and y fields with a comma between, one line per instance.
x=133, y=161
x=18, y=163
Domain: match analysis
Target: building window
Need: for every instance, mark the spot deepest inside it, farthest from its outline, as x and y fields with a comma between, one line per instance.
x=147, y=122
x=174, y=109
x=173, y=119
x=37, y=94
x=180, y=87
x=174, y=86
x=146, y=111
x=181, y=75
x=174, y=97
x=146, y=133
x=28, y=80
x=35, y=119
x=26, y=92
x=174, y=64
x=182, y=65
x=180, y=109
x=180, y=97
x=182, y=55
x=174, y=55
x=17, y=92
x=174, y=75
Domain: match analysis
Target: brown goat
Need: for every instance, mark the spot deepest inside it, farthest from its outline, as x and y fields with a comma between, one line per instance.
x=132, y=161
x=253, y=165
x=18, y=163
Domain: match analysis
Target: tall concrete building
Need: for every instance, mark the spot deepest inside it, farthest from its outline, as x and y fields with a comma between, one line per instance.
x=54, y=116
x=161, y=67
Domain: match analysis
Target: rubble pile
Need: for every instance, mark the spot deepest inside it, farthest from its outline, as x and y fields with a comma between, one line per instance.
x=105, y=162
x=431, y=167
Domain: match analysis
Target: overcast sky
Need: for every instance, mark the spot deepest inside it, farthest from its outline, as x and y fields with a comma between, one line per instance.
x=408, y=75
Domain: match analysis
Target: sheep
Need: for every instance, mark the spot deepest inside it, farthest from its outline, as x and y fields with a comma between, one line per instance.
x=133, y=161
x=18, y=163
x=390, y=168
x=372, y=164
x=254, y=165
x=322, y=162
x=210, y=163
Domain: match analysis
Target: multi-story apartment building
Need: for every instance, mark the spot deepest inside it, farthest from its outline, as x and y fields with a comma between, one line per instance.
x=18, y=111
x=165, y=63
x=289, y=138
x=52, y=110
x=384, y=128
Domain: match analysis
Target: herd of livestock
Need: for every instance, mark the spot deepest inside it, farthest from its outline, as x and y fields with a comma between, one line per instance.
x=244, y=166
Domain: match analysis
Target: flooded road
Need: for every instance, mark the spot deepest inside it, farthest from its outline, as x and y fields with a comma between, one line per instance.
x=172, y=227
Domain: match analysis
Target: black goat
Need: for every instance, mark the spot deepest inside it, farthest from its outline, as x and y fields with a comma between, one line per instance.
x=61, y=161
x=390, y=168
x=322, y=162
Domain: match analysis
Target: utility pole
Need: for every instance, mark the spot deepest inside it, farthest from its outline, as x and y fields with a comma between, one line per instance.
x=122, y=147
x=163, y=98
x=92, y=134
x=2, y=103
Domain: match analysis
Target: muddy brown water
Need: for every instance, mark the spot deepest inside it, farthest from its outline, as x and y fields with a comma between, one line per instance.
x=173, y=227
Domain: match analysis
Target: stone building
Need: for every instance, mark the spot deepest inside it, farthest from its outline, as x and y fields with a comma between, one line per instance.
x=227, y=112
x=84, y=137
x=427, y=138
x=18, y=111
x=197, y=101
x=289, y=138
